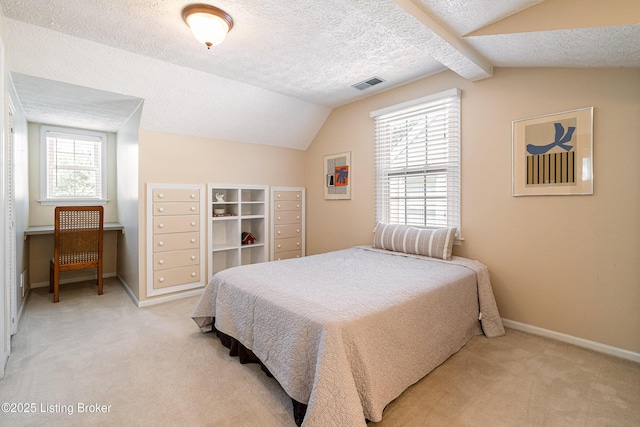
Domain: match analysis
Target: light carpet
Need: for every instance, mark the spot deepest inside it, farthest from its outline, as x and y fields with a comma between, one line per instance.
x=101, y=361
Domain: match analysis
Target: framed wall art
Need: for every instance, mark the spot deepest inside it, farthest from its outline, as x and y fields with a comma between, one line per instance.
x=553, y=154
x=337, y=176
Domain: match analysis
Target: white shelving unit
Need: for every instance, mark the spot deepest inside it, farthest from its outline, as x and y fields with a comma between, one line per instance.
x=243, y=208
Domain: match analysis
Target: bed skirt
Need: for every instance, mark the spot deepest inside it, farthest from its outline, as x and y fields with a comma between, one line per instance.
x=245, y=355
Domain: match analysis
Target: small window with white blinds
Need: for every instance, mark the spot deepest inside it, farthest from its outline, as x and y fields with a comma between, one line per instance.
x=73, y=166
x=418, y=162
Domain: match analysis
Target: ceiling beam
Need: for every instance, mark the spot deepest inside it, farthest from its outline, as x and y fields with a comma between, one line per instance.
x=447, y=48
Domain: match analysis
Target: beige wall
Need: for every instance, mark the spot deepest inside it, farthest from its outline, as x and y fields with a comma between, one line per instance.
x=41, y=252
x=569, y=264
x=178, y=159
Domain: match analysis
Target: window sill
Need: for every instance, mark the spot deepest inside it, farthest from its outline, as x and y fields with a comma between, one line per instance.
x=73, y=202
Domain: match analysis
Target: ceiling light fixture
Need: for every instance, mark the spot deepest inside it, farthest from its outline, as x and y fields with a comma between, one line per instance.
x=208, y=24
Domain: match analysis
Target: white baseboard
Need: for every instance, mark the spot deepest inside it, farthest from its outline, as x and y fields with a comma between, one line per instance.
x=160, y=300
x=24, y=303
x=128, y=290
x=4, y=364
x=569, y=339
x=72, y=280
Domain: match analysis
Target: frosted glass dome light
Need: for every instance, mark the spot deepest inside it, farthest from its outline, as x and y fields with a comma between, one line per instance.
x=208, y=24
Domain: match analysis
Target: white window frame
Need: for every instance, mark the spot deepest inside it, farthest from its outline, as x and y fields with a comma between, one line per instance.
x=446, y=168
x=80, y=134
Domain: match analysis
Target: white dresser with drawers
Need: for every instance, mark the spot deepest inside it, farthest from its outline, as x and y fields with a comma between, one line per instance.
x=287, y=223
x=175, y=238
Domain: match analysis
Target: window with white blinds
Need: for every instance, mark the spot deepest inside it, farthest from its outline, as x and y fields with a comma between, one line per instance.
x=74, y=166
x=418, y=162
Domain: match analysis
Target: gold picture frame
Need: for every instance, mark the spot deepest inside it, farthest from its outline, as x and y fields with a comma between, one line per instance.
x=553, y=154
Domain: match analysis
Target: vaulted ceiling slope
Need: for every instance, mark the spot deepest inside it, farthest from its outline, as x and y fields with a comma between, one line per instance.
x=286, y=64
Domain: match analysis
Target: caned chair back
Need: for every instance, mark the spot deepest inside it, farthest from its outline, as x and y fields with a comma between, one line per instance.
x=78, y=234
x=77, y=242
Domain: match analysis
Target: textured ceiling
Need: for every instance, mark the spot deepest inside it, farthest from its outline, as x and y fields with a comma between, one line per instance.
x=96, y=109
x=314, y=50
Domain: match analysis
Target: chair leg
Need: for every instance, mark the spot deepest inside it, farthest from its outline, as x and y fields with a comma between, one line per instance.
x=51, y=277
x=56, y=285
x=100, y=278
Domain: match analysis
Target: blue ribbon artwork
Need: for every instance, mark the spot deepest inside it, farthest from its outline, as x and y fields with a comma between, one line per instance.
x=561, y=140
x=342, y=175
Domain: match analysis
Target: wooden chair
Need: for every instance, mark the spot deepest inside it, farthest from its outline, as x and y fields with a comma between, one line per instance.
x=77, y=243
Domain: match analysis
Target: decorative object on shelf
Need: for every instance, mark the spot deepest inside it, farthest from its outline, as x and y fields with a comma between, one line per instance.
x=219, y=212
x=208, y=24
x=248, y=238
x=247, y=209
x=553, y=154
x=337, y=172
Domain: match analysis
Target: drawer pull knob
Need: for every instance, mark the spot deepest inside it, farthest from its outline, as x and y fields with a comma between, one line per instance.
x=297, y=243
x=279, y=195
x=193, y=274
x=298, y=217
x=161, y=262
x=161, y=196
x=279, y=232
x=160, y=225
x=298, y=230
x=161, y=280
x=298, y=196
x=160, y=243
x=193, y=196
x=193, y=208
x=278, y=206
x=297, y=206
x=279, y=218
x=193, y=257
x=193, y=223
x=160, y=209
x=279, y=246
x=193, y=240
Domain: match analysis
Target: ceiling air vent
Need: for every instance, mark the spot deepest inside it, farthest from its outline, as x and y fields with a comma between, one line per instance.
x=367, y=83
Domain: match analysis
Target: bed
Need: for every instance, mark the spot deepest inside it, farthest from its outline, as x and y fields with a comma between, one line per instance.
x=346, y=332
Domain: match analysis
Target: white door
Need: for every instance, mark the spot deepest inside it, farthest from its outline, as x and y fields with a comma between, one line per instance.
x=10, y=251
x=5, y=323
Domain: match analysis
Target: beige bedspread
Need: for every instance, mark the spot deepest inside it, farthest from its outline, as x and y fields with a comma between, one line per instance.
x=346, y=332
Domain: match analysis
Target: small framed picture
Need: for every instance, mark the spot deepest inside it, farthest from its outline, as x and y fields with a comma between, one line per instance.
x=553, y=154
x=337, y=173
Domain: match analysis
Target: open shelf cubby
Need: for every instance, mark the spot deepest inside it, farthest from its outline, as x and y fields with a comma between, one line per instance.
x=232, y=210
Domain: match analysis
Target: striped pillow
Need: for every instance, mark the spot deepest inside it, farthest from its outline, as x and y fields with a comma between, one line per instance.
x=436, y=243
